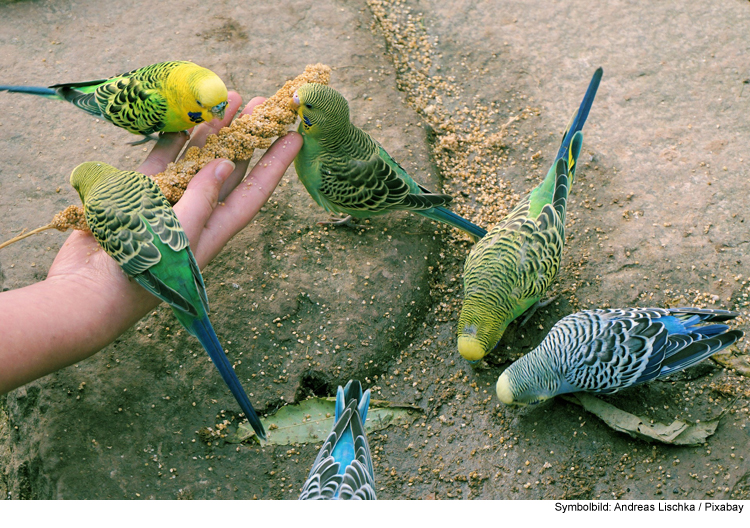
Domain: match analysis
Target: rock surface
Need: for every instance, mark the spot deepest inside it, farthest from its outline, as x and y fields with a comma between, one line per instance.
x=657, y=216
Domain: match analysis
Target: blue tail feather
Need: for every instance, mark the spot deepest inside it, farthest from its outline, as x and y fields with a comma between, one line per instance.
x=202, y=329
x=34, y=90
x=345, y=450
x=353, y=391
x=690, y=325
x=449, y=217
x=581, y=115
x=343, y=468
x=675, y=325
x=710, y=330
x=697, y=351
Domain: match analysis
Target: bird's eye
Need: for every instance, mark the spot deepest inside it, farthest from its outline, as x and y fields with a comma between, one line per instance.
x=308, y=105
x=199, y=103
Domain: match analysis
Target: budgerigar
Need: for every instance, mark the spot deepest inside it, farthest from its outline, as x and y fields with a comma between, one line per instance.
x=604, y=351
x=134, y=223
x=508, y=271
x=343, y=467
x=348, y=172
x=164, y=97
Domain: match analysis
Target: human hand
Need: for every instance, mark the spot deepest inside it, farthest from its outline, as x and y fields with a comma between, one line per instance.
x=98, y=300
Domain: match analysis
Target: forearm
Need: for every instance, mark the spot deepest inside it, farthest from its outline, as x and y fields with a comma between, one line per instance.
x=62, y=320
x=87, y=300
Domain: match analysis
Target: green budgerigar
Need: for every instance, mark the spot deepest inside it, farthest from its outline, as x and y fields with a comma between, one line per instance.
x=164, y=97
x=134, y=223
x=508, y=271
x=347, y=172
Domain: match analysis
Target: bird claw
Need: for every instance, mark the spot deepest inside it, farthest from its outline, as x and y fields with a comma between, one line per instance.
x=145, y=139
x=478, y=365
x=341, y=222
x=535, y=307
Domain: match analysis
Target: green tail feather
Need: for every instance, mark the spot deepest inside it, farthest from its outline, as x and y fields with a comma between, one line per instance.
x=33, y=90
x=449, y=217
x=80, y=94
x=570, y=148
x=202, y=329
x=579, y=118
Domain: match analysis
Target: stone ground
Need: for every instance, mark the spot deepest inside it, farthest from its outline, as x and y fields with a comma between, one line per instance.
x=657, y=217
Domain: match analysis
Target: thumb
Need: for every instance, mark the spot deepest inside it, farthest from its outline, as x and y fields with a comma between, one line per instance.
x=201, y=197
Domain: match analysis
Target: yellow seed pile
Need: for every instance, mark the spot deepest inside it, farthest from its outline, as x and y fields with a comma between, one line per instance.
x=468, y=146
x=71, y=217
x=468, y=143
x=238, y=141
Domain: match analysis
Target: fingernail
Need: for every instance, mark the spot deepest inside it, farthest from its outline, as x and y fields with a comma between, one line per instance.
x=224, y=169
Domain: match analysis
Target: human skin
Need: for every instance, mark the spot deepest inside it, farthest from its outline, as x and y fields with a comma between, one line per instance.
x=87, y=301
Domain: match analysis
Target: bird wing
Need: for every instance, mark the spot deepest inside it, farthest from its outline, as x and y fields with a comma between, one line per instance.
x=358, y=482
x=374, y=184
x=619, y=348
x=133, y=101
x=327, y=478
x=343, y=468
x=82, y=94
x=133, y=222
x=520, y=256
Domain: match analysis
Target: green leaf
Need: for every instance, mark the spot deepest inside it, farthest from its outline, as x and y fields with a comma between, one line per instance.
x=312, y=421
x=678, y=432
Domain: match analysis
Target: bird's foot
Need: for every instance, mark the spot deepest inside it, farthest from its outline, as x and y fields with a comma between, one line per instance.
x=478, y=365
x=535, y=307
x=342, y=222
x=145, y=139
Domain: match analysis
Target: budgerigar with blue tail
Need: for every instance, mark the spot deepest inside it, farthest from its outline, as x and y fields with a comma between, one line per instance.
x=134, y=223
x=163, y=97
x=347, y=172
x=508, y=271
x=604, y=351
x=343, y=468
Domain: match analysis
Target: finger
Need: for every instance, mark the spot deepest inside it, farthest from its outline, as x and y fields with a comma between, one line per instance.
x=239, y=173
x=234, y=179
x=202, y=131
x=255, y=101
x=201, y=197
x=245, y=201
x=165, y=151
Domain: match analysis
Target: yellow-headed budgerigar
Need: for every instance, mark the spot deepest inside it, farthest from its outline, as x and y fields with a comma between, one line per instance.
x=603, y=351
x=347, y=172
x=134, y=223
x=163, y=97
x=508, y=271
x=343, y=467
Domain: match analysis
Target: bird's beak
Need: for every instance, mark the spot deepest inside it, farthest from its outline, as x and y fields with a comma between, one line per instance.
x=219, y=109
x=469, y=346
x=295, y=102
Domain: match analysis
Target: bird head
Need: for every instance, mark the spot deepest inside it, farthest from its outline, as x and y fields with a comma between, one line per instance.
x=510, y=394
x=530, y=380
x=87, y=175
x=210, y=97
x=478, y=331
x=504, y=389
x=322, y=109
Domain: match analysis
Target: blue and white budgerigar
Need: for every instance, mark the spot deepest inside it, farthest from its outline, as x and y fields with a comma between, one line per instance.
x=133, y=222
x=604, y=351
x=343, y=467
x=346, y=171
x=509, y=270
